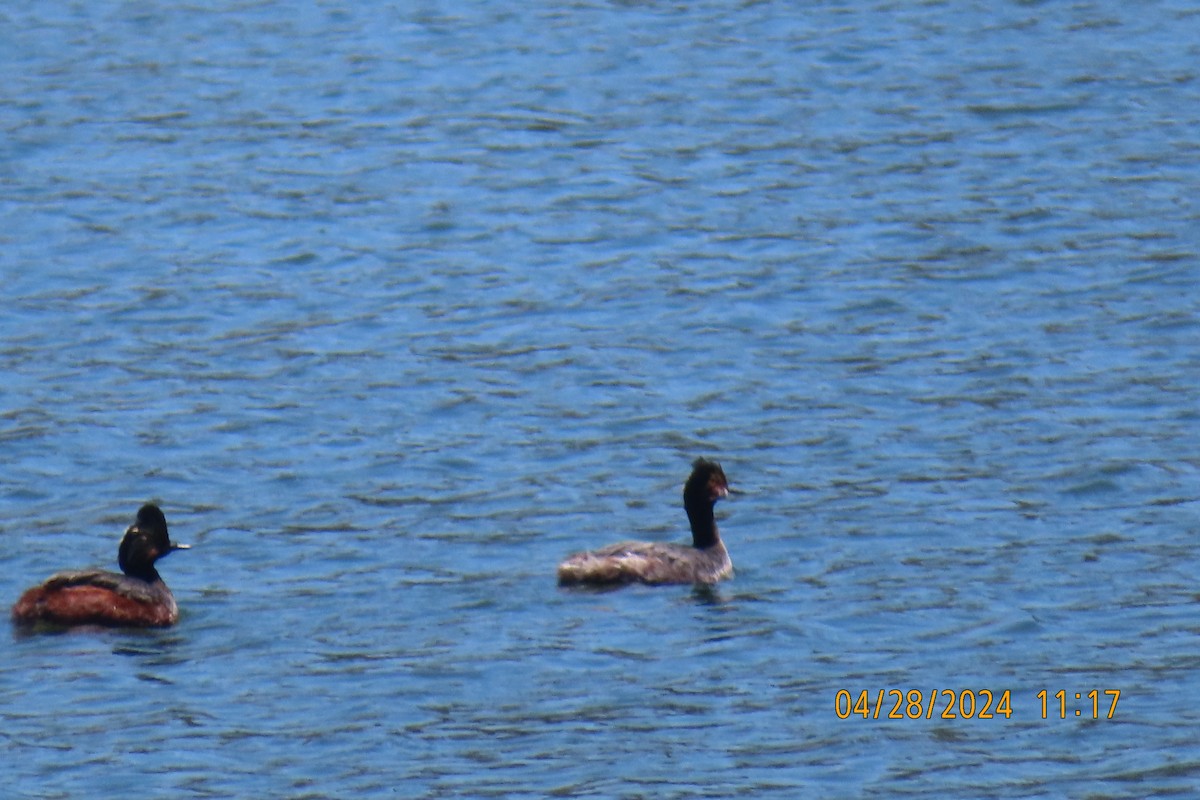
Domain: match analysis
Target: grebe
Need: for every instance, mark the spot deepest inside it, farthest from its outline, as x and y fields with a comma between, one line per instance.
x=139, y=598
x=705, y=561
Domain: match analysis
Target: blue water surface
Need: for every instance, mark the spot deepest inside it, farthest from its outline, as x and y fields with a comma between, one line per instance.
x=393, y=305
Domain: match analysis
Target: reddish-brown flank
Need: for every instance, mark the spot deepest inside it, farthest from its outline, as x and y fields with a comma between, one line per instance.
x=90, y=605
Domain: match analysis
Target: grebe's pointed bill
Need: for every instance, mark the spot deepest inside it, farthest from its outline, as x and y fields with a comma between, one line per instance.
x=178, y=546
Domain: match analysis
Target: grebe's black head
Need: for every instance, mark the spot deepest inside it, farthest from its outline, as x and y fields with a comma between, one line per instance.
x=146, y=541
x=707, y=483
x=705, y=486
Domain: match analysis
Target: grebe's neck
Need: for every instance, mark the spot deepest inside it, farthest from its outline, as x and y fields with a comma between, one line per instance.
x=137, y=556
x=704, y=525
x=149, y=575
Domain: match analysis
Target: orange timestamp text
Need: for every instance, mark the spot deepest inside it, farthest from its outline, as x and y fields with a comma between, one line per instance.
x=969, y=704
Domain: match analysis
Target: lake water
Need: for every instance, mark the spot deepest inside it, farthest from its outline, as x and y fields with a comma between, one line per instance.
x=392, y=306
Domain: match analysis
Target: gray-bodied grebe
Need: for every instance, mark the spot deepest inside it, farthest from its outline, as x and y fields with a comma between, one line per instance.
x=705, y=561
x=138, y=598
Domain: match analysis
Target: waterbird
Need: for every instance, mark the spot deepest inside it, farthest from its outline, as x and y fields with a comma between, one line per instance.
x=134, y=597
x=705, y=561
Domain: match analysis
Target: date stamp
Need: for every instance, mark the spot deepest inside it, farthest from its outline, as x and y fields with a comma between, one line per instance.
x=949, y=704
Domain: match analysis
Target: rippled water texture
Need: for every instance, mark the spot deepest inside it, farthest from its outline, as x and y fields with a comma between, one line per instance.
x=393, y=306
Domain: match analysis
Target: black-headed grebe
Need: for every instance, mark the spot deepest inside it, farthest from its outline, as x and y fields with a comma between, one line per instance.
x=706, y=561
x=139, y=598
